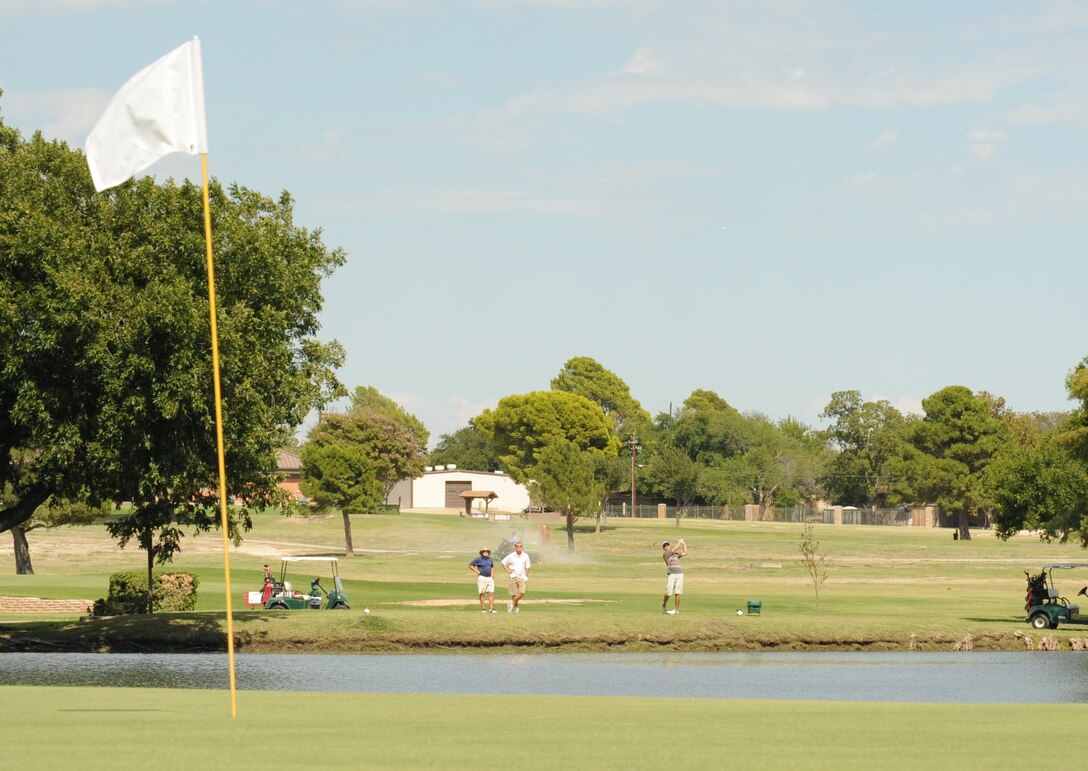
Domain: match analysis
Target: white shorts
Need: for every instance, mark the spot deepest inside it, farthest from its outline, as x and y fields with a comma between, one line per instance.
x=485, y=584
x=674, y=584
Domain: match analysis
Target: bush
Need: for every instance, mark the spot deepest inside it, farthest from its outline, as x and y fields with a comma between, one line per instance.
x=128, y=593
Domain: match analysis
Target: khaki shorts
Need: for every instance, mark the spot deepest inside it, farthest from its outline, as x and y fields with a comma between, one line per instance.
x=517, y=585
x=674, y=584
x=485, y=584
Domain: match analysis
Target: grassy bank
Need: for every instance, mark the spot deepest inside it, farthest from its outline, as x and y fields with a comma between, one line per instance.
x=887, y=589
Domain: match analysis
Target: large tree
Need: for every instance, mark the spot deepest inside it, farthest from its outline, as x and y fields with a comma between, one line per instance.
x=675, y=475
x=1040, y=486
x=1074, y=433
x=352, y=461
x=586, y=377
x=1040, y=481
x=522, y=425
x=105, y=392
x=570, y=434
x=864, y=437
x=567, y=480
x=950, y=449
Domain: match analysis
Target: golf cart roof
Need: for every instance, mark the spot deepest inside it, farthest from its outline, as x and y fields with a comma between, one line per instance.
x=309, y=559
x=1066, y=565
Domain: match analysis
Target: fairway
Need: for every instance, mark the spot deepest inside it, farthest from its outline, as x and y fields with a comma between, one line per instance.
x=888, y=588
x=112, y=728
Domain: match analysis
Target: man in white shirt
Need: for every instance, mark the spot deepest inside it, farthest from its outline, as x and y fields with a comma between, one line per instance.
x=516, y=564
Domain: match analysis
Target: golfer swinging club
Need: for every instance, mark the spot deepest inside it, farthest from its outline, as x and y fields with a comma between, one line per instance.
x=674, y=575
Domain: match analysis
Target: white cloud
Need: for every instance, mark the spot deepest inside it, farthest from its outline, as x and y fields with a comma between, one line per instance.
x=472, y=201
x=782, y=56
x=882, y=141
x=909, y=405
x=334, y=137
x=872, y=185
x=983, y=143
x=68, y=115
x=12, y=8
x=1049, y=110
x=644, y=61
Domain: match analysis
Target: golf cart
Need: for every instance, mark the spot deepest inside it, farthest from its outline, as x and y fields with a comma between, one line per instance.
x=1045, y=606
x=280, y=595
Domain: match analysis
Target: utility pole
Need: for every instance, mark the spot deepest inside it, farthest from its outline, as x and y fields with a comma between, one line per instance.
x=634, y=453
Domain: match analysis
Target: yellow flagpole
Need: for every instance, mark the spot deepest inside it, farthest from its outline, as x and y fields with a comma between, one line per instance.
x=219, y=434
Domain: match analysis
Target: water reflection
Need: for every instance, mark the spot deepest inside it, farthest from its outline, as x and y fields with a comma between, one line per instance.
x=906, y=677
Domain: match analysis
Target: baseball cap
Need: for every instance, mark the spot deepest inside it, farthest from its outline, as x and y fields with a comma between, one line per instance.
x=485, y=550
x=664, y=544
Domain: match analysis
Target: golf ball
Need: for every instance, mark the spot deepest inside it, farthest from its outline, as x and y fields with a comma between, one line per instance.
x=739, y=612
x=367, y=610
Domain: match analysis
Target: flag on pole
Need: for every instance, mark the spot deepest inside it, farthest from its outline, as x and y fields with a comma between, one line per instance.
x=159, y=111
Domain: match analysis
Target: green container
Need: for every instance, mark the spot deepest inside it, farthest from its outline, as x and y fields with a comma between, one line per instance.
x=754, y=607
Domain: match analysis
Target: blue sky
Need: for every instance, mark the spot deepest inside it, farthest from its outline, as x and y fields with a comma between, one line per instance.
x=773, y=200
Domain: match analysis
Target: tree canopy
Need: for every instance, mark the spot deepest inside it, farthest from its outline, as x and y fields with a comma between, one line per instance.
x=586, y=377
x=864, y=437
x=352, y=461
x=467, y=448
x=567, y=479
x=369, y=399
x=521, y=426
x=952, y=446
x=105, y=392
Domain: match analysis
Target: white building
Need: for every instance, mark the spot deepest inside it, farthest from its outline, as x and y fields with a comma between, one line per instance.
x=441, y=487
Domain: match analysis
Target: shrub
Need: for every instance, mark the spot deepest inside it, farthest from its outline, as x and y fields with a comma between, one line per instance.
x=128, y=593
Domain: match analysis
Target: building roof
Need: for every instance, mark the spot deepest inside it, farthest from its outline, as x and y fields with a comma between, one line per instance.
x=288, y=461
x=474, y=494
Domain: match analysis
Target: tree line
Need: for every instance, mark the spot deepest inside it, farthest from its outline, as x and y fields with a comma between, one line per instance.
x=106, y=406
x=968, y=453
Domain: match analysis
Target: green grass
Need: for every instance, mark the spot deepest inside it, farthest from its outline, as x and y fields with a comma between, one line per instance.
x=159, y=728
x=885, y=584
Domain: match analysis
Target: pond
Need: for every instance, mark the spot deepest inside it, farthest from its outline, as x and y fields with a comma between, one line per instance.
x=1029, y=678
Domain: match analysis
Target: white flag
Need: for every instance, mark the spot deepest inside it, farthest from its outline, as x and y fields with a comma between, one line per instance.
x=159, y=111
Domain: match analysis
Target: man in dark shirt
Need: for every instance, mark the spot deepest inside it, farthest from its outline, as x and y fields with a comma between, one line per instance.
x=483, y=566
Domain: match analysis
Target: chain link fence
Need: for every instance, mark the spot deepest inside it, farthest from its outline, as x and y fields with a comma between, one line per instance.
x=899, y=517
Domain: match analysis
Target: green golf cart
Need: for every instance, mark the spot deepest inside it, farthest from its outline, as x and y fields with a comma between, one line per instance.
x=1045, y=606
x=282, y=596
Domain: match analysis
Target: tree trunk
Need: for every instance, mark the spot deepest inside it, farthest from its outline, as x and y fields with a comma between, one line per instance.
x=349, y=550
x=22, y=552
x=24, y=508
x=965, y=531
x=570, y=530
x=598, y=531
x=148, y=546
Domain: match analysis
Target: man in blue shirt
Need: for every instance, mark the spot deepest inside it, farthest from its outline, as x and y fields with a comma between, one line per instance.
x=483, y=566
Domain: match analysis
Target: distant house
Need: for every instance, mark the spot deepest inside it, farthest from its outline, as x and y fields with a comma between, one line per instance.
x=446, y=487
x=289, y=465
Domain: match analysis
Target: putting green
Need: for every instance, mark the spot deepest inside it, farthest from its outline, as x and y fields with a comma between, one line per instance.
x=120, y=728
